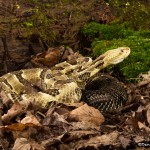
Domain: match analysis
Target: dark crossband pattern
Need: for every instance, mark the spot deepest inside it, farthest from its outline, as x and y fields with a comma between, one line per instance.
x=104, y=92
x=64, y=82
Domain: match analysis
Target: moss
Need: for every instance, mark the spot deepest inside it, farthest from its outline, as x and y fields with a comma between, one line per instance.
x=58, y=22
x=134, y=13
x=105, y=37
x=138, y=61
x=95, y=30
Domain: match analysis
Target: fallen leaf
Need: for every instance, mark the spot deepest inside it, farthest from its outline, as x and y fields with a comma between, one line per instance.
x=69, y=137
x=18, y=126
x=86, y=117
x=142, y=126
x=60, y=118
x=124, y=141
x=49, y=58
x=31, y=119
x=24, y=144
x=138, y=139
x=55, y=119
x=26, y=133
x=107, y=139
x=74, y=135
x=140, y=114
x=16, y=109
x=131, y=121
x=14, y=126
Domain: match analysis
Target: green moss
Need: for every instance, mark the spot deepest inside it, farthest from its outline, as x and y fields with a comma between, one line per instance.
x=134, y=13
x=138, y=61
x=105, y=37
x=105, y=32
x=95, y=30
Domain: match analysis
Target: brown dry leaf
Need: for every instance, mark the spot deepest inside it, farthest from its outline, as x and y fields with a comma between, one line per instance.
x=55, y=119
x=139, y=114
x=51, y=141
x=31, y=119
x=24, y=144
x=69, y=137
x=138, y=139
x=142, y=126
x=86, y=117
x=73, y=135
x=28, y=121
x=16, y=109
x=26, y=133
x=49, y=58
x=107, y=139
x=18, y=126
x=131, y=121
x=60, y=118
x=124, y=141
x=14, y=127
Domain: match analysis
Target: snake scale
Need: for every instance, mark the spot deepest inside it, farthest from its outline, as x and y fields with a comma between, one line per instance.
x=65, y=82
x=104, y=92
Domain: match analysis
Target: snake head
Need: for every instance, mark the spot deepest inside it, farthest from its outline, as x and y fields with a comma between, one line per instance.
x=110, y=57
x=115, y=56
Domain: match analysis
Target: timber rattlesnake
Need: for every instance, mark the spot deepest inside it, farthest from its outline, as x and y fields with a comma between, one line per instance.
x=63, y=83
x=104, y=92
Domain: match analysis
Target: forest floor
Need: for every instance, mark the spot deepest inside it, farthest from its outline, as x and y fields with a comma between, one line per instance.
x=72, y=126
x=77, y=125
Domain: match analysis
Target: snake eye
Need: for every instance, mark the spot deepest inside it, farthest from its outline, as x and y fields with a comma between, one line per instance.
x=86, y=59
x=122, y=50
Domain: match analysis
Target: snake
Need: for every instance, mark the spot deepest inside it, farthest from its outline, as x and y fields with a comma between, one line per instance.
x=67, y=82
x=105, y=93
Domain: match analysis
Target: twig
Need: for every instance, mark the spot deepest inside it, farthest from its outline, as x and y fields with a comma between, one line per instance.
x=6, y=53
x=142, y=83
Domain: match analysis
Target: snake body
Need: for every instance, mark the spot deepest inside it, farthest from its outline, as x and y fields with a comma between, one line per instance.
x=63, y=83
x=104, y=92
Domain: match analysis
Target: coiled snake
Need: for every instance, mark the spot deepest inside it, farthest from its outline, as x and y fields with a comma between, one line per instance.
x=63, y=83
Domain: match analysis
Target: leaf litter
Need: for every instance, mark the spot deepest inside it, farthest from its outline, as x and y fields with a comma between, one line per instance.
x=77, y=126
